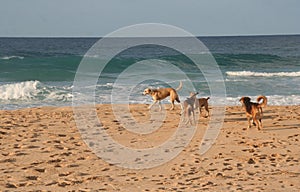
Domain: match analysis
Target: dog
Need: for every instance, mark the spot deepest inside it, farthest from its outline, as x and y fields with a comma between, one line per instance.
x=161, y=93
x=254, y=110
x=202, y=102
x=188, y=107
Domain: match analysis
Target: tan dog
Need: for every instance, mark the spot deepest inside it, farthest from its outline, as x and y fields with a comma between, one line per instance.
x=202, y=102
x=254, y=110
x=161, y=93
x=188, y=108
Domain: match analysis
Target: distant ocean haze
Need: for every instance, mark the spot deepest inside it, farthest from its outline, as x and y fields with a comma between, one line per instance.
x=40, y=71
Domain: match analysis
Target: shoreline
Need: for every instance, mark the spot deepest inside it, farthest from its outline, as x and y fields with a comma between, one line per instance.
x=146, y=104
x=42, y=149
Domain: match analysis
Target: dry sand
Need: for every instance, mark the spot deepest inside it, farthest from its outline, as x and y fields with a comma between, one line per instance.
x=42, y=150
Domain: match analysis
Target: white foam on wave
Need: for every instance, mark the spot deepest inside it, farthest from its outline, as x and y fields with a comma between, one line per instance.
x=15, y=91
x=33, y=91
x=11, y=57
x=263, y=74
x=272, y=100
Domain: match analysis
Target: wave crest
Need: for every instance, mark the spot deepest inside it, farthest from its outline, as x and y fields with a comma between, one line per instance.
x=263, y=74
x=33, y=91
x=11, y=57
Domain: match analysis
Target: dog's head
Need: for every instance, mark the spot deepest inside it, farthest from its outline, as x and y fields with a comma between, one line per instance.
x=193, y=94
x=245, y=100
x=147, y=91
x=192, y=99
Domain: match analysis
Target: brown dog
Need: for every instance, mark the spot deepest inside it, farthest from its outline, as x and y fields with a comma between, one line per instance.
x=161, y=93
x=202, y=102
x=188, y=107
x=254, y=110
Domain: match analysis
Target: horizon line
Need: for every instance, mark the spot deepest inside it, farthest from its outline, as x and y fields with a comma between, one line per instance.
x=92, y=37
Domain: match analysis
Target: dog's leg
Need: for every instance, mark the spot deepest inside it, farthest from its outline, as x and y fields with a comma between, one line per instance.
x=193, y=112
x=173, y=106
x=256, y=121
x=184, y=113
x=259, y=123
x=196, y=105
x=186, y=116
x=189, y=118
x=152, y=104
x=249, y=123
x=206, y=108
x=159, y=103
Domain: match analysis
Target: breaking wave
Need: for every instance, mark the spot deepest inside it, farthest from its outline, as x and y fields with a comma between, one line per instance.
x=11, y=57
x=33, y=91
x=263, y=74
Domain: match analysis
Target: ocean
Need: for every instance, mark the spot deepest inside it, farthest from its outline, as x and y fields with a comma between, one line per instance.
x=38, y=72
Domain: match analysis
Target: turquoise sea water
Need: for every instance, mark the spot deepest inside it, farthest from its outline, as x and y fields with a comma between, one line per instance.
x=40, y=71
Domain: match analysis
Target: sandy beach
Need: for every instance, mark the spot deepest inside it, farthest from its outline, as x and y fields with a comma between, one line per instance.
x=42, y=150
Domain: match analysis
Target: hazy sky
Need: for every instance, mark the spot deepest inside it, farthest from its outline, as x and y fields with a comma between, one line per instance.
x=99, y=17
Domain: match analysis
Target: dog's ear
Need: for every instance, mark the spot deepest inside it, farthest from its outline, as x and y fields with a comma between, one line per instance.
x=247, y=99
x=242, y=100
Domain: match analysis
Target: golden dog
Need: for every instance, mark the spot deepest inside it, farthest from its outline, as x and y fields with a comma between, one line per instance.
x=161, y=93
x=254, y=110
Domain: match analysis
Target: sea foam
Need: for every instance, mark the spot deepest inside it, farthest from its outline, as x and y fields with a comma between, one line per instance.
x=263, y=74
x=21, y=90
x=11, y=57
x=33, y=91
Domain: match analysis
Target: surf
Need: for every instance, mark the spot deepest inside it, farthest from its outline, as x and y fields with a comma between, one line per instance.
x=11, y=57
x=33, y=91
x=263, y=74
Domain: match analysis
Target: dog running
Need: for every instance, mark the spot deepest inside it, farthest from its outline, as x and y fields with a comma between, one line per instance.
x=254, y=110
x=162, y=93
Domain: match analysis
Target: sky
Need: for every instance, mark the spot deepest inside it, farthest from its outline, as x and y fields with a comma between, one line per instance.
x=97, y=18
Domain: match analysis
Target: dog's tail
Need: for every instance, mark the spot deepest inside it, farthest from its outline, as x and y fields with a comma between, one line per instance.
x=179, y=87
x=264, y=102
x=207, y=98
